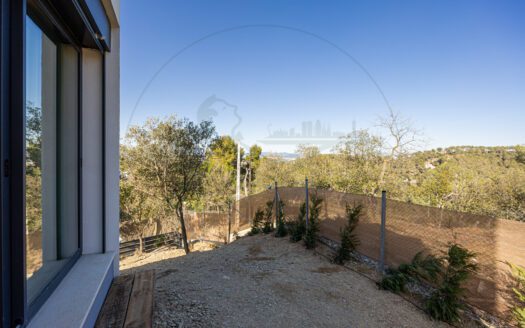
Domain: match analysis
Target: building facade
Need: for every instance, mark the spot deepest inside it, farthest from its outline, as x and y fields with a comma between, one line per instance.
x=59, y=153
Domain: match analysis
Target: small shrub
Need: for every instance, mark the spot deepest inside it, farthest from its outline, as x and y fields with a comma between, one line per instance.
x=268, y=212
x=161, y=241
x=518, y=309
x=420, y=268
x=297, y=228
x=444, y=304
x=310, y=237
x=425, y=267
x=257, y=222
x=281, y=230
x=349, y=240
x=395, y=281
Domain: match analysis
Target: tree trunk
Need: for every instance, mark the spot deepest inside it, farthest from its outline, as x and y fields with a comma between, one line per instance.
x=229, y=224
x=141, y=243
x=158, y=226
x=245, y=185
x=250, y=181
x=183, y=227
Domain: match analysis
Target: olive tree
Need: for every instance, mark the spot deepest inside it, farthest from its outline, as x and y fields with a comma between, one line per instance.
x=170, y=155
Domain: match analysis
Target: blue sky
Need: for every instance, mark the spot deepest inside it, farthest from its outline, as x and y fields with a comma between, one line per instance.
x=455, y=68
x=33, y=64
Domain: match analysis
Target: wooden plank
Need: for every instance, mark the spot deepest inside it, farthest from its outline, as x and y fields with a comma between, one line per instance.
x=140, y=307
x=115, y=306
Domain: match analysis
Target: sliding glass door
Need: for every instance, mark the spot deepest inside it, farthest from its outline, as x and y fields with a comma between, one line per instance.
x=41, y=55
x=51, y=162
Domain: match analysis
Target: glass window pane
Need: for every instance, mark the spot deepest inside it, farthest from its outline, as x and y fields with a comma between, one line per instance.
x=51, y=158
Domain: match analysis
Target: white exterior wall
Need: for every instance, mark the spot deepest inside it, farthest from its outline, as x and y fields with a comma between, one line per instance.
x=92, y=148
x=113, y=146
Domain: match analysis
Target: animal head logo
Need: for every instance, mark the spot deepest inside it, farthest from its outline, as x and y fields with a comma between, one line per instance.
x=223, y=114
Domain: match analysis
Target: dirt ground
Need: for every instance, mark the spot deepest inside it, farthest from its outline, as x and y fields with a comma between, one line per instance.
x=263, y=281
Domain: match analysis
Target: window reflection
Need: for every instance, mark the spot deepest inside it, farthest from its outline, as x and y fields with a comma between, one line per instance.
x=51, y=158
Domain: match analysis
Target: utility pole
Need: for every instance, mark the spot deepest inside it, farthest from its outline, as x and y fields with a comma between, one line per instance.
x=276, y=201
x=238, y=188
x=307, y=201
x=383, y=233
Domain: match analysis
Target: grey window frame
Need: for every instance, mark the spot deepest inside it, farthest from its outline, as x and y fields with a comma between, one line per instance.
x=55, y=18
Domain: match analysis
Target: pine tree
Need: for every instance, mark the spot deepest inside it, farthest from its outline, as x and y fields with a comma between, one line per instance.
x=257, y=222
x=349, y=240
x=268, y=214
x=297, y=228
x=281, y=223
x=310, y=238
x=518, y=309
x=445, y=302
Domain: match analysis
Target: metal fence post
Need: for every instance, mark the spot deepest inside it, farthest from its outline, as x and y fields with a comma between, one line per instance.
x=307, y=201
x=229, y=223
x=383, y=225
x=276, y=201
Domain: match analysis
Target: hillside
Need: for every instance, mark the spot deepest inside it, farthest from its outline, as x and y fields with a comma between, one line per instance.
x=481, y=180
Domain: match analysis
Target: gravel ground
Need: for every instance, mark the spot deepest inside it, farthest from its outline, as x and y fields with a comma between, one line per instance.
x=263, y=281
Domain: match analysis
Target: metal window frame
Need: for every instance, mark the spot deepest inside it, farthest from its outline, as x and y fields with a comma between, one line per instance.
x=14, y=309
x=52, y=26
x=104, y=179
x=14, y=305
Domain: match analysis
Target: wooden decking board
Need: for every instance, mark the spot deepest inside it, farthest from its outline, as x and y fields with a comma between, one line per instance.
x=129, y=302
x=140, y=307
x=113, y=313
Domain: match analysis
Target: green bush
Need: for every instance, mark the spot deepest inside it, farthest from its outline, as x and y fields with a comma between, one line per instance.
x=448, y=272
x=444, y=304
x=395, y=281
x=310, y=237
x=518, y=310
x=420, y=268
x=426, y=267
x=161, y=241
x=297, y=227
x=349, y=240
x=257, y=222
x=281, y=230
x=268, y=216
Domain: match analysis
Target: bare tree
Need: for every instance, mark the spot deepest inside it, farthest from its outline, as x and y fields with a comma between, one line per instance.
x=401, y=138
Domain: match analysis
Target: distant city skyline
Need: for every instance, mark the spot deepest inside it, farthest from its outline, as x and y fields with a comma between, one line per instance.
x=308, y=129
x=313, y=133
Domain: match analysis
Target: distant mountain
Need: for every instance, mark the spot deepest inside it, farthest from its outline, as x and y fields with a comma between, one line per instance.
x=283, y=155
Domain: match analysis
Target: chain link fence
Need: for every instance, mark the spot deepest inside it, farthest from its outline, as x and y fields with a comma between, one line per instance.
x=412, y=228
